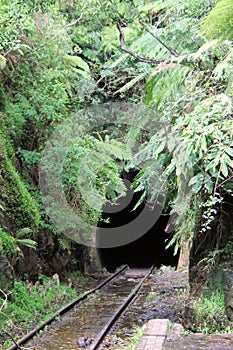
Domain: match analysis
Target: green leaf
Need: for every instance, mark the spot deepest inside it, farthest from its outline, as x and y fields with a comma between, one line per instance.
x=27, y=242
x=81, y=72
x=197, y=182
x=204, y=144
x=24, y=232
x=77, y=62
x=213, y=164
x=196, y=187
x=2, y=62
x=224, y=168
x=228, y=160
x=209, y=186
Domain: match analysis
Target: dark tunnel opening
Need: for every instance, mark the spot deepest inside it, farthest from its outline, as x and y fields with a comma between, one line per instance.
x=143, y=249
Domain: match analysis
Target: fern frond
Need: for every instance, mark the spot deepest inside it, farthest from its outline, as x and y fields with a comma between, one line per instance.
x=64, y=243
x=147, y=46
x=23, y=232
x=27, y=243
x=116, y=149
x=76, y=61
x=224, y=70
x=165, y=85
x=205, y=48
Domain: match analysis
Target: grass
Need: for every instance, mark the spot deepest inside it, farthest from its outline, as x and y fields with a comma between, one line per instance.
x=210, y=313
x=136, y=338
x=28, y=305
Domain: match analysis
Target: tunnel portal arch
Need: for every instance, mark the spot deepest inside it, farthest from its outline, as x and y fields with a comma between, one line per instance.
x=148, y=249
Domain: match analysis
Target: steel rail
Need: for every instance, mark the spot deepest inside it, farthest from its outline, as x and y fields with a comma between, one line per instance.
x=84, y=297
x=100, y=337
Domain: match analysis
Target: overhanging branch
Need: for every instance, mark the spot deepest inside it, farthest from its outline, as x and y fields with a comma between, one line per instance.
x=132, y=53
x=175, y=58
x=161, y=41
x=67, y=26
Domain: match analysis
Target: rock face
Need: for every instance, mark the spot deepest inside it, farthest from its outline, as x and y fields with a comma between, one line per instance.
x=218, y=278
x=228, y=291
x=6, y=274
x=189, y=316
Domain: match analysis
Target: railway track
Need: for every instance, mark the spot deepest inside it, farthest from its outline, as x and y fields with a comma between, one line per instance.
x=84, y=323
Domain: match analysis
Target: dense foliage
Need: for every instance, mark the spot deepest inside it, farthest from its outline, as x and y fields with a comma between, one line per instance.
x=172, y=63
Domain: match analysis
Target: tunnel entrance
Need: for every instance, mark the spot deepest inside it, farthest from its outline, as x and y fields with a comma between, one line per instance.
x=147, y=249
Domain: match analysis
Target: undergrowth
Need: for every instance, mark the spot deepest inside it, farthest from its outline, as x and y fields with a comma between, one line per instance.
x=29, y=305
x=210, y=313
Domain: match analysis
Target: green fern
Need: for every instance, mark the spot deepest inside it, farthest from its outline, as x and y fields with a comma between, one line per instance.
x=165, y=84
x=224, y=70
x=26, y=242
x=64, y=243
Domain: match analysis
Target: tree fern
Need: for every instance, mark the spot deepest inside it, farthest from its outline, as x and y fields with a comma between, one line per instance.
x=165, y=84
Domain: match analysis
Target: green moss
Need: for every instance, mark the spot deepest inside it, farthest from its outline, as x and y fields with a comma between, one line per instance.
x=19, y=204
x=218, y=24
x=22, y=207
x=7, y=244
x=2, y=97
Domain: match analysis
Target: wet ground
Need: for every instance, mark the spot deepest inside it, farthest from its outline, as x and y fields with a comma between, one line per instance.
x=77, y=328
x=162, y=296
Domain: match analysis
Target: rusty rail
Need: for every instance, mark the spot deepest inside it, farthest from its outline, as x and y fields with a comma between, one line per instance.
x=84, y=297
x=131, y=297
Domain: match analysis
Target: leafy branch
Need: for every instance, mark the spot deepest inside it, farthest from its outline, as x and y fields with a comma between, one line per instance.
x=185, y=59
x=134, y=54
x=168, y=47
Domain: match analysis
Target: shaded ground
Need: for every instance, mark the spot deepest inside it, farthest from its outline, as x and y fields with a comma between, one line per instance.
x=169, y=291
x=200, y=341
x=163, y=296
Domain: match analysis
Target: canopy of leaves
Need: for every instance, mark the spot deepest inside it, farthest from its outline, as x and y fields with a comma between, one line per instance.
x=58, y=58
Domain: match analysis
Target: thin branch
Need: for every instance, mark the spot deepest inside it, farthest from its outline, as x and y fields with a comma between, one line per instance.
x=11, y=337
x=226, y=180
x=130, y=52
x=4, y=303
x=67, y=26
x=169, y=48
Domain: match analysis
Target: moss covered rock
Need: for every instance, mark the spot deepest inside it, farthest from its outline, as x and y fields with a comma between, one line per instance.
x=6, y=274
